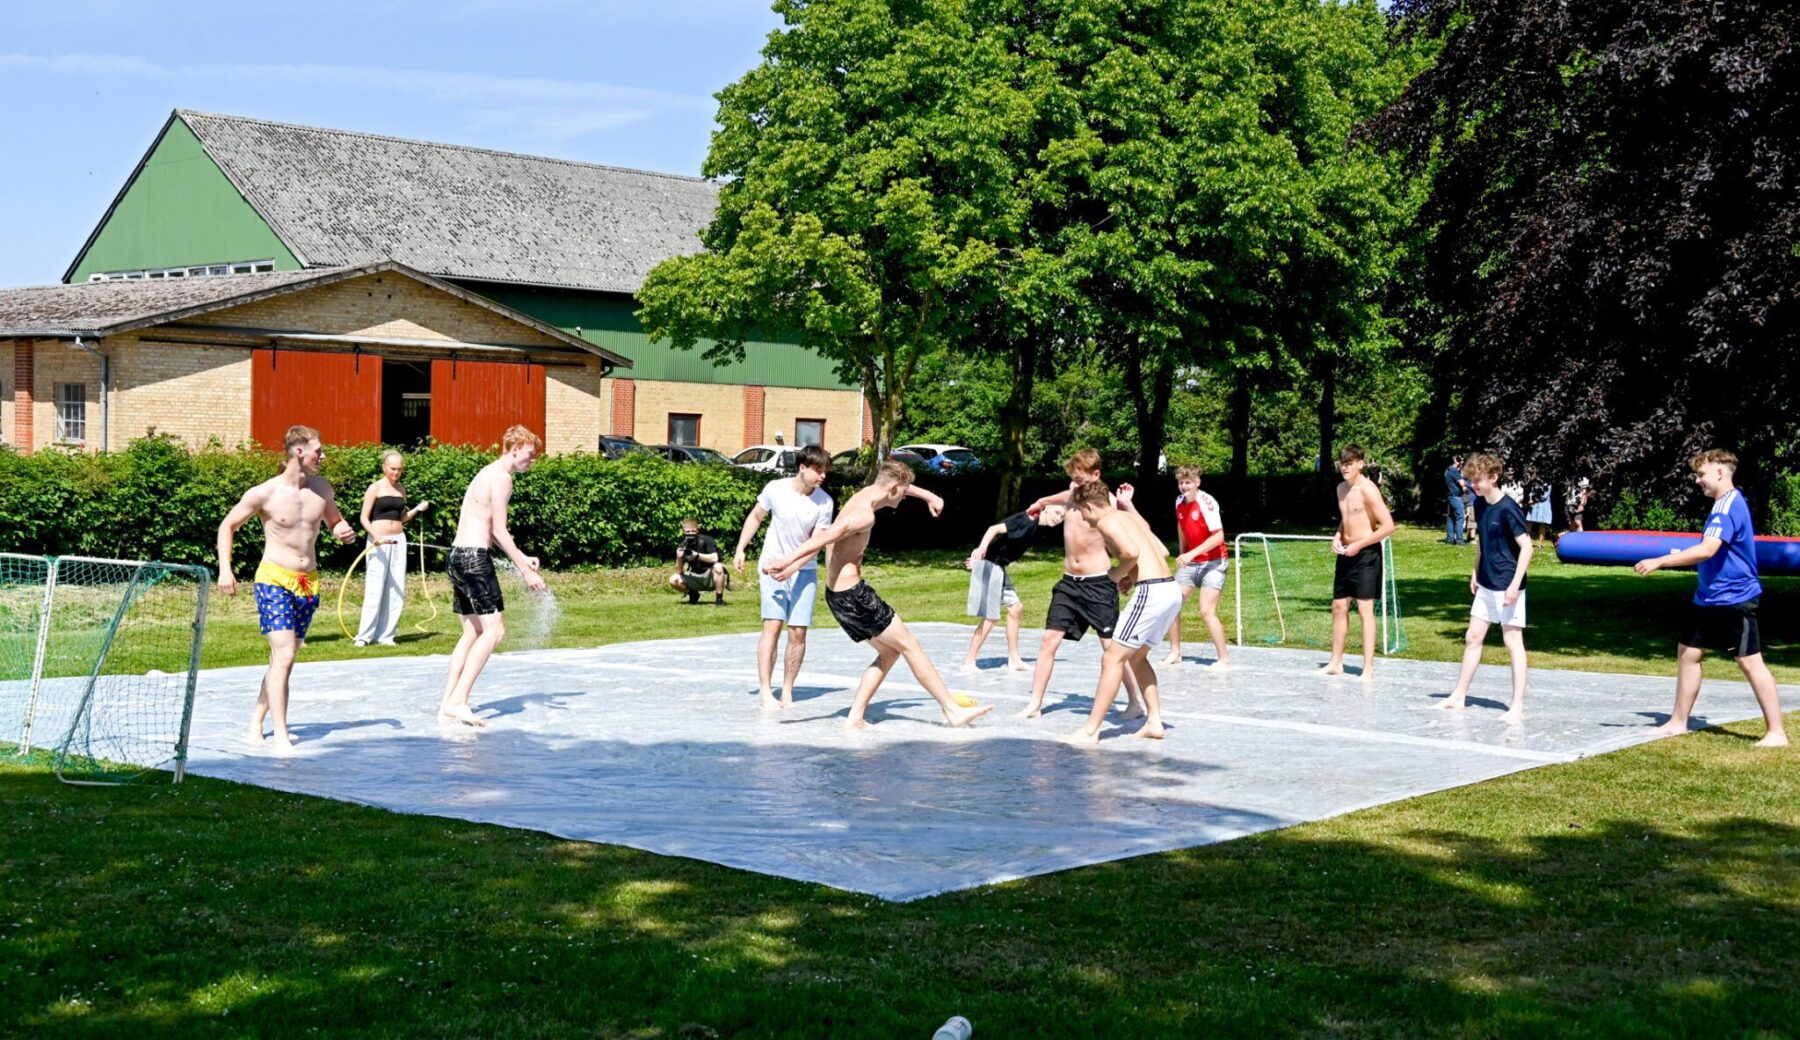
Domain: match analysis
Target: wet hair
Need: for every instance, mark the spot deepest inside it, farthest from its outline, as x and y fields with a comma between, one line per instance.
x=298, y=437
x=814, y=457
x=1351, y=453
x=1714, y=456
x=1483, y=465
x=894, y=472
x=517, y=436
x=1187, y=473
x=1092, y=492
x=1087, y=460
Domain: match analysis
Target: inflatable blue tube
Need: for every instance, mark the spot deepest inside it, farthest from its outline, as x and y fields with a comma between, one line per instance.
x=1774, y=556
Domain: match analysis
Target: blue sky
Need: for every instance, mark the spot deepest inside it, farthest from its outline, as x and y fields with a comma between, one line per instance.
x=90, y=82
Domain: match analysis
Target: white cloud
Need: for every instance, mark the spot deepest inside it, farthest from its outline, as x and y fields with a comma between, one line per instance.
x=466, y=87
x=552, y=122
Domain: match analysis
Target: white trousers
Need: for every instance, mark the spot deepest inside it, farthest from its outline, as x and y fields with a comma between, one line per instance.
x=384, y=591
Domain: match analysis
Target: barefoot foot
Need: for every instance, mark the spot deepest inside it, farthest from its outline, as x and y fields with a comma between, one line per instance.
x=1082, y=738
x=1773, y=740
x=1030, y=711
x=282, y=745
x=857, y=723
x=1516, y=713
x=964, y=716
x=1132, y=711
x=767, y=702
x=1672, y=727
x=1173, y=658
x=1017, y=666
x=1454, y=702
x=460, y=717
x=1333, y=669
x=253, y=733
x=1151, y=731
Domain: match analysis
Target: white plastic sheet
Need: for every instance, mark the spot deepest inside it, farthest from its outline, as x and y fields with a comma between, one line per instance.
x=662, y=746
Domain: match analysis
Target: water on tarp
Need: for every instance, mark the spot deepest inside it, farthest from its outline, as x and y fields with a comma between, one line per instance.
x=531, y=617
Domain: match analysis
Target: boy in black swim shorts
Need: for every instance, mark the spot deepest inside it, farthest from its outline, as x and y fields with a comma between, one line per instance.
x=1364, y=522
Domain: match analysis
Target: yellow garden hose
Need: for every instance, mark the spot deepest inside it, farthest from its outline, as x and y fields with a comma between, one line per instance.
x=344, y=586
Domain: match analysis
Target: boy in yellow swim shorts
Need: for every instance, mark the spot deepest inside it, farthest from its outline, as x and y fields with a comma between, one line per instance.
x=292, y=506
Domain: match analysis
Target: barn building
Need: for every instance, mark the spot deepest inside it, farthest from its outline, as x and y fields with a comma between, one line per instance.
x=250, y=275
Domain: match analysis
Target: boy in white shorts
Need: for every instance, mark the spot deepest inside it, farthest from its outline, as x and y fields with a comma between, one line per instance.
x=991, y=591
x=1143, y=569
x=797, y=507
x=1503, y=553
x=1202, y=563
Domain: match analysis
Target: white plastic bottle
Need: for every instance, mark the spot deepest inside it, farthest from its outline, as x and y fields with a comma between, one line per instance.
x=957, y=1028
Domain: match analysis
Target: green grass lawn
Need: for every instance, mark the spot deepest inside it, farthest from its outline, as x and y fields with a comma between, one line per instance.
x=1652, y=892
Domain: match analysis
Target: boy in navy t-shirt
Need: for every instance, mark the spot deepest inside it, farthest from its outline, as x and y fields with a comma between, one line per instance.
x=1497, y=582
x=1723, y=616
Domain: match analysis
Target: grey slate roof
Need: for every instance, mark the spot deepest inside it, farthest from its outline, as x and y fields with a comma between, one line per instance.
x=98, y=309
x=341, y=198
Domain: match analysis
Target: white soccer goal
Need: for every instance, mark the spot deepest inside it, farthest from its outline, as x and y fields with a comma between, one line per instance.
x=1283, y=592
x=98, y=661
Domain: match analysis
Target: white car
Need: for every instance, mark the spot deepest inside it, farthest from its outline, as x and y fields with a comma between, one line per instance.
x=769, y=458
x=943, y=457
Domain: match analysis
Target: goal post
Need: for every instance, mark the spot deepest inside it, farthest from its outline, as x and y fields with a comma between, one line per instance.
x=110, y=690
x=1283, y=585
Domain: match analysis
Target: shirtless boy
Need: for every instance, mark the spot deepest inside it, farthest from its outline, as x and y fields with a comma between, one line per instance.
x=1156, y=600
x=292, y=505
x=1085, y=597
x=474, y=586
x=861, y=613
x=1363, y=522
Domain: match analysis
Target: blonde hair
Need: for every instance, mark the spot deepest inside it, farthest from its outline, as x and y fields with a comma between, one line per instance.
x=1087, y=460
x=1714, y=456
x=894, y=472
x=1187, y=473
x=297, y=437
x=391, y=454
x=1483, y=465
x=517, y=436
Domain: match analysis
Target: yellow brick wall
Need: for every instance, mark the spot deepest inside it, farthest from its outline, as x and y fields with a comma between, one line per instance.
x=841, y=410
x=572, y=408
x=7, y=388
x=197, y=393
x=387, y=305
x=62, y=362
x=719, y=405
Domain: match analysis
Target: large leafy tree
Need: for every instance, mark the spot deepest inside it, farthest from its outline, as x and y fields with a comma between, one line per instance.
x=1611, y=260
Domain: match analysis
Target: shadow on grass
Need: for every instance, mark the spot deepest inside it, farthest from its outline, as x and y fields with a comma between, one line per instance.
x=1525, y=907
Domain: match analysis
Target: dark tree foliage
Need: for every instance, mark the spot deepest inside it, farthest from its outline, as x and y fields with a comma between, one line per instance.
x=1612, y=238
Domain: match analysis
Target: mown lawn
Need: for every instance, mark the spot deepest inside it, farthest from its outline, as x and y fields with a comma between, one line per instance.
x=1652, y=892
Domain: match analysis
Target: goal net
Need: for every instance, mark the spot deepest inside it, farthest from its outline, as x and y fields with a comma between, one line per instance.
x=109, y=690
x=1283, y=594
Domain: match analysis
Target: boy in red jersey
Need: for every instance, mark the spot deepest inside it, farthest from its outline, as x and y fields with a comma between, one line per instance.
x=1202, y=563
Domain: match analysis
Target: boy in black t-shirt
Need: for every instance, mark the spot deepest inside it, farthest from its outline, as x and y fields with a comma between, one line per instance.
x=702, y=568
x=1497, y=582
x=991, y=589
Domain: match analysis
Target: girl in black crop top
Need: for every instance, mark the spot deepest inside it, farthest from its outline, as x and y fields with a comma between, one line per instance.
x=384, y=516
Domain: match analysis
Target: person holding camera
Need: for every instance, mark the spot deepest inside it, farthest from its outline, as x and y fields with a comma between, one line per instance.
x=701, y=569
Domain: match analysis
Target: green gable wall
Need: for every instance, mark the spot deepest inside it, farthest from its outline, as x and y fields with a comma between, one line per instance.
x=609, y=320
x=180, y=211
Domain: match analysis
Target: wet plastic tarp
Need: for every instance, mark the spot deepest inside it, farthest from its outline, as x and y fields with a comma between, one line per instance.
x=662, y=746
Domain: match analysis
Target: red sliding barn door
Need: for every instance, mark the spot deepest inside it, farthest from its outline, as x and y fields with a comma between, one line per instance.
x=473, y=402
x=337, y=394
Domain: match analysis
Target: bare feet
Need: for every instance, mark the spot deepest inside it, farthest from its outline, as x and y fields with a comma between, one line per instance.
x=1030, y=711
x=282, y=745
x=1368, y=675
x=787, y=699
x=963, y=700
x=1773, y=740
x=460, y=716
x=1454, y=702
x=1173, y=658
x=1223, y=664
x=1516, y=713
x=1672, y=727
x=1017, y=666
x=964, y=716
x=1334, y=668
x=857, y=723
x=969, y=666
x=1151, y=731
x=767, y=701
x=1082, y=738
x=253, y=732
x=1132, y=711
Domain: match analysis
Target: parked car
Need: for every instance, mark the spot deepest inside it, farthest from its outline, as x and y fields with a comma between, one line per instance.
x=769, y=458
x=944, y=458
x=911, y=458
x=688, y=453
x=618, y=447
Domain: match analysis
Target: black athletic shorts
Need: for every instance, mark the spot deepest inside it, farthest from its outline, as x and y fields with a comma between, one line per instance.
x=474, y=587
x=860, y=612
x=1359, y=576
x=1730, y=629
x=1078, y=604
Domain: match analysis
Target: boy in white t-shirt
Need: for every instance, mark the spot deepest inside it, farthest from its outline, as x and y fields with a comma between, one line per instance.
x=797, y=508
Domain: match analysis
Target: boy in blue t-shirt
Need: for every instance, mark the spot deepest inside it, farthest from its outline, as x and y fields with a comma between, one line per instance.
x=1498, y=582
x=1723, y=616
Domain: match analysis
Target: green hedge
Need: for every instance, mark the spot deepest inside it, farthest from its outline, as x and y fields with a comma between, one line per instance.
x=157, y=500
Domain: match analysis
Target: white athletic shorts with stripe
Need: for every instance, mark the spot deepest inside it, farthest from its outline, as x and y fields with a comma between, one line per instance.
x=1154, y=606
